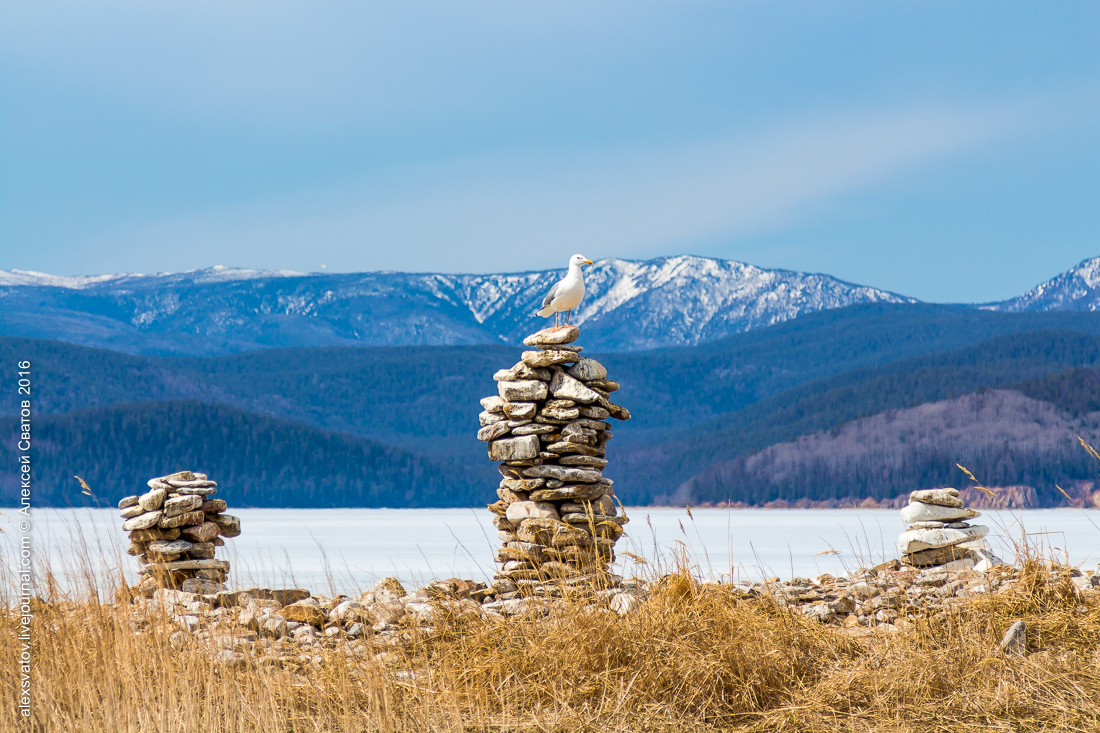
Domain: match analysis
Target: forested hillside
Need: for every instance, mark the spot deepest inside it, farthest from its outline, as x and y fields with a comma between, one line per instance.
x=257, y=460
x=1002, y=436
x=693, y=407
x=827, y=403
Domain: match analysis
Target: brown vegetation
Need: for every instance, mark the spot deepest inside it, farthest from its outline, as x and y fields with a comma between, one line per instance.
x=693, y=656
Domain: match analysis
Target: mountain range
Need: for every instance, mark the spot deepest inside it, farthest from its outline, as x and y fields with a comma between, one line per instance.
x=630, y=306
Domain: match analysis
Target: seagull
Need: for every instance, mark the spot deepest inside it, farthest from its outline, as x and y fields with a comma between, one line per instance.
x=567, y=292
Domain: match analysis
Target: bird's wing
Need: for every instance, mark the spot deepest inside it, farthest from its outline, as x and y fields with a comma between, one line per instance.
x=550, y=296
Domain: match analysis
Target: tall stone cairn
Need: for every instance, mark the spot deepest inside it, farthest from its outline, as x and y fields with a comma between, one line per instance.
x=938, y=532
x=174, y=528
x=547, y=428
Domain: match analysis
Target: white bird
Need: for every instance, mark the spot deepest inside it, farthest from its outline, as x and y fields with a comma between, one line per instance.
x=567, y=293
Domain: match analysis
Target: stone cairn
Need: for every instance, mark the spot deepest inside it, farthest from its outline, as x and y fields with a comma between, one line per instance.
x=557, y=514
x=174, y=528
x=938, y=533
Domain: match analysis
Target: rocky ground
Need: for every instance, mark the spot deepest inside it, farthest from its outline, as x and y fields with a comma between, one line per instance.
x=293, y=625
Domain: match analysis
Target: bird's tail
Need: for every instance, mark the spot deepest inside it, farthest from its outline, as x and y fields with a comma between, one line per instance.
x=545, y=312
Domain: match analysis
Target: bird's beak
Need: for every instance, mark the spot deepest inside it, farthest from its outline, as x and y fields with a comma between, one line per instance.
x=588, y=262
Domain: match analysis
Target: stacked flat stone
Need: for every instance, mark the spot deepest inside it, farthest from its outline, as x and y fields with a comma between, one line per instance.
x=174, y=528
x=938, y=532
x=547, y=427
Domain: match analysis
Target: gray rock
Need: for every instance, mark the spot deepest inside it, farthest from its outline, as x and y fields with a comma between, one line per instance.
x=148, y=535
x=605, y=384
x=205, y=532
x=182, y=520
x=493, y=432
x=522, y=510
x=132, y=511
x=195, y=490
x=202, y=587
x=586, y=461
x=566, y=387
x=562, y=414
x=492, y=404
x=574, y=492
x=533, y=429
x=563, y=447
x=127, y=502
x=228, y=525
x=564, y=473
x=522, y=484
x=939, y=497
x=168, y=547
x=152, y=500
x=587, y=370
x=514, y=449
x=594, y=412
x=521, y=371
x=520, y=410
x=213, y=506
x=525, y=390
x=549, y=358
x=553, y=336
x=926, y=539
x=145, y=521
x=181, y=505
x=186, y=565
x=1014, y=642
x=275, y=625
x=186, y=483
x=921, y=512
x=488, y=418
x=623, y=603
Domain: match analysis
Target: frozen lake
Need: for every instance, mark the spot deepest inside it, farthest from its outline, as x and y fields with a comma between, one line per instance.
x=344, y=550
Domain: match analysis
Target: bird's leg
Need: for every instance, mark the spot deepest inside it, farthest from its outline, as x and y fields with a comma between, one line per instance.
x=568, y=316
x=556, y=314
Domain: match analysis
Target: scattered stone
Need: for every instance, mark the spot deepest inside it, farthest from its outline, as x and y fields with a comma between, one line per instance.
x=305, y=612
x=1014, y=642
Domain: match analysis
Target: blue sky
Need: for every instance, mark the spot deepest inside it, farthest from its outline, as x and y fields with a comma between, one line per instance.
x=949, y=151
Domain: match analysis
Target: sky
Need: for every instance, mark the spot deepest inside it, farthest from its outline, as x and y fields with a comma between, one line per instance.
x=947, y=151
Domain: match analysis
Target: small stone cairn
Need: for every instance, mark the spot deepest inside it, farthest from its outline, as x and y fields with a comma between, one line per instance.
x=174, y=528
x=557, y=514
x=938, y=533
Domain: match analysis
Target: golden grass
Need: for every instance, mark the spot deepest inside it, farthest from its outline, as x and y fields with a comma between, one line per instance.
x=690, y=658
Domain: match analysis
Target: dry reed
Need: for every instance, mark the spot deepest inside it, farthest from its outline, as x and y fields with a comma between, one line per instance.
x=691, y=657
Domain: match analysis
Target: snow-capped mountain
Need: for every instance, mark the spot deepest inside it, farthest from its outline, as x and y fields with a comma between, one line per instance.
x=1077, y=289
x=674, y=301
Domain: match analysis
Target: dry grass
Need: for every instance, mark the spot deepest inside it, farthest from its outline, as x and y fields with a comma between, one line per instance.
x=691, y=658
